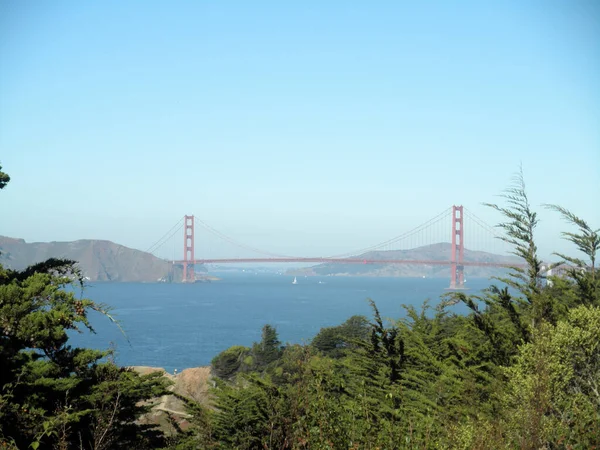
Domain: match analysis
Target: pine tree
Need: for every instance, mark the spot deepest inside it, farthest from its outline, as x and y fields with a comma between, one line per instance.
x=268, y=350
x=52, y=394
x=582, y=272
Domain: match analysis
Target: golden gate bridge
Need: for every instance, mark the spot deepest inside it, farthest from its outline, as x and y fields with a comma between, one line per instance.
x=448, y=226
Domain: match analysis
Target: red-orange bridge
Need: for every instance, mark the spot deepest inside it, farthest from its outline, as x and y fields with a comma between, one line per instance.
x=424, y=233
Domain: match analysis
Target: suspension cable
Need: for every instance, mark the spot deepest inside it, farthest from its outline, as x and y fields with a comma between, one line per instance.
x=234, y=242
x=483, y=224
x=431, y=222
x=168, y=235
x=405, y=235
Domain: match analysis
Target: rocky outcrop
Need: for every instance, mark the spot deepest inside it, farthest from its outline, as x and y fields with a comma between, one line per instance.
x=193, y=383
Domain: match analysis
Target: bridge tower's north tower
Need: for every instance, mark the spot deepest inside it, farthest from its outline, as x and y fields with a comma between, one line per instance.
x=457, y=269
x=189, y=274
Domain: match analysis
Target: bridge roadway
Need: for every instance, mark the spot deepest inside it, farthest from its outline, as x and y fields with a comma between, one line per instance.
x=347, y=261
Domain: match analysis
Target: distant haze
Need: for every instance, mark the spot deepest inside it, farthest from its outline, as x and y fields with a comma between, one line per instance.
x=307, y=128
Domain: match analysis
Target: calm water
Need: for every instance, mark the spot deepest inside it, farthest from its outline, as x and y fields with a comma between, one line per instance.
x=179, y=326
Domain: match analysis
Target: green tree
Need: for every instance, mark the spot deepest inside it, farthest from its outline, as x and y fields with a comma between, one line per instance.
x=519, y=227
x=505, y=319
x=553, y=395
x=520, y=370
x=52, y=394
x=582, y=273
x=4, y=179
x=336, y=341
x=229, y=362
x=268, y=350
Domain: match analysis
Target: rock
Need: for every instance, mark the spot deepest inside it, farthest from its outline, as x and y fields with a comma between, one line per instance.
x=193, y=383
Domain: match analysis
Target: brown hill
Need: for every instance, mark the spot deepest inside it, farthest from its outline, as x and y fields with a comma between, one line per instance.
x=434, y=252
x=99, y=260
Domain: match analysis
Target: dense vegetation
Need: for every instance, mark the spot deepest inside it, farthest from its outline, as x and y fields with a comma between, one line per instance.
x=53, y=395
x=521, y=370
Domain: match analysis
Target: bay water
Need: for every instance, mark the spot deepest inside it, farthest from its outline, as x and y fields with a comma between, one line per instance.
x=176, y=326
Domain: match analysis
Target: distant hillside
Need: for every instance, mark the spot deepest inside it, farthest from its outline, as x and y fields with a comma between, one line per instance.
x=99, y=260
x=435, y=252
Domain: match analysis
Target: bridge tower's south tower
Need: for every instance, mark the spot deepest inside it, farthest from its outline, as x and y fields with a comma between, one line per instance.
x=457, y=269
x=189, y=275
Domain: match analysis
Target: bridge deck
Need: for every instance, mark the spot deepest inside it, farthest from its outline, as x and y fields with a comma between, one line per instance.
x=318, y=260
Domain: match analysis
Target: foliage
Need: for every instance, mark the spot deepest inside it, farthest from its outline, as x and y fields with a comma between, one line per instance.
x=47, y=385
x=242, y=359
x=520, y=370
x=519, y=228
x=199, y=435
x=268, y=350
x=553, y=392
x=53, y=395
x=335, y=342
x=582, y=272
x=4, y=179
x=227, y=363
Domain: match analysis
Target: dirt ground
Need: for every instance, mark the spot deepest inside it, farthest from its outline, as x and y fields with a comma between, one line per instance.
x=193, y=383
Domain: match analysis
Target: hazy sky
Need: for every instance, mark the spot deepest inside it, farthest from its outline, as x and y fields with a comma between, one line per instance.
x=306, y=128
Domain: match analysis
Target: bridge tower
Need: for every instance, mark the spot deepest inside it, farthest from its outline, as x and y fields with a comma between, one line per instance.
x=189, y=275
x=457, y=269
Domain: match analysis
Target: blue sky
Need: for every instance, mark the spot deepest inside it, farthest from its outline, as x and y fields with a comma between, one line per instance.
x=306, y=128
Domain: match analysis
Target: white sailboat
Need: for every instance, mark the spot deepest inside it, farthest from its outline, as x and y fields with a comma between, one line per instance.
x=295, y=281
